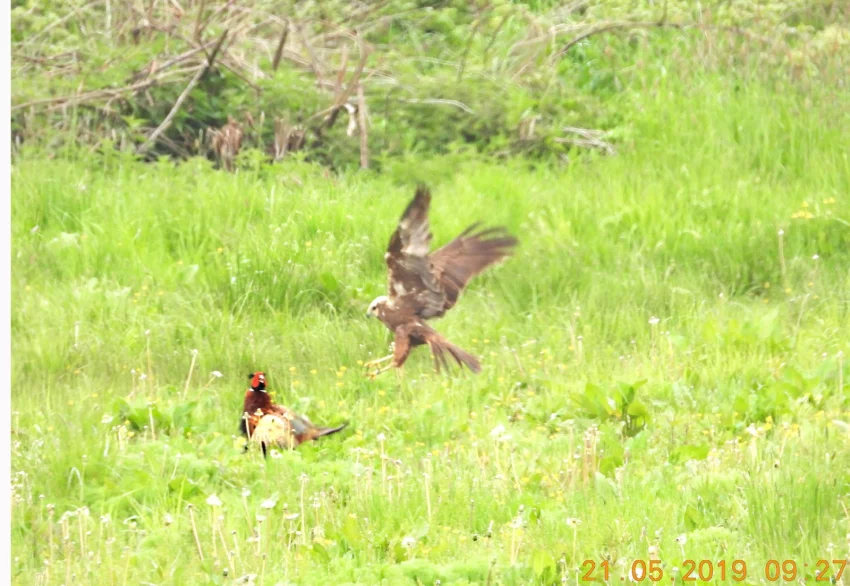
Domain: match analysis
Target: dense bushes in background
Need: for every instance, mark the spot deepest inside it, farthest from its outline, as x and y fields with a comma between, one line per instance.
x=540, y=79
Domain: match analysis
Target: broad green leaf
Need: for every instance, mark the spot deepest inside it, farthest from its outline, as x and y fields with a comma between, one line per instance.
x=542, y=562
x=689, y=452
x=351, y=531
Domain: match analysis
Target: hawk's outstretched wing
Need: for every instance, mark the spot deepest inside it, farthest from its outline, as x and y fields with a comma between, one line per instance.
x=429, y=285
x=411, y=281
x=469, y=254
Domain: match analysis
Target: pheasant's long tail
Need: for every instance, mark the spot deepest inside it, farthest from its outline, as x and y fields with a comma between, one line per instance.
x=323, y=431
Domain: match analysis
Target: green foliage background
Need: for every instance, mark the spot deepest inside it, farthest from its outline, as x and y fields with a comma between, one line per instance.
x=441, y=77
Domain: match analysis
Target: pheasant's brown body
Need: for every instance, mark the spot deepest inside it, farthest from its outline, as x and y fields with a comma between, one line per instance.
x=268, y=424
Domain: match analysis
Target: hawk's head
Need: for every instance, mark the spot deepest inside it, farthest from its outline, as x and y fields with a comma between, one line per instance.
x=379, y=301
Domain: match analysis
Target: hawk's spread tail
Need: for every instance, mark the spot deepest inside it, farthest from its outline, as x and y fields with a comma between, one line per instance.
x=440, y=348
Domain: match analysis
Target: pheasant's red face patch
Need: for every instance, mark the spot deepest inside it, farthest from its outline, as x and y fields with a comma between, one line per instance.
x=259, y=379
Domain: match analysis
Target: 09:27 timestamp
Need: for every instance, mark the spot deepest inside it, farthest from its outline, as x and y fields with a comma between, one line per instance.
x=707, y=571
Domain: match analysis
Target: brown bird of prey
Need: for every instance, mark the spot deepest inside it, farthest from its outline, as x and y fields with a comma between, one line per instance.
x=425, y=285
x=269, y=425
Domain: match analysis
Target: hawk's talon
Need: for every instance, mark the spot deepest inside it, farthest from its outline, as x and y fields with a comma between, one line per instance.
x=376, y=362
x=374, y=374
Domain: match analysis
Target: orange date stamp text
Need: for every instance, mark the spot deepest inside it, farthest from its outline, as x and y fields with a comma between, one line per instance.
x=713, y=570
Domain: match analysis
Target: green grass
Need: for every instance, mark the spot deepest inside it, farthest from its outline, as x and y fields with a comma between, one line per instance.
x=719, y=432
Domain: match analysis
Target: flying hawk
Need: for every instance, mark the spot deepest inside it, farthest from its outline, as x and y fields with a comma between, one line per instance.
x=268, y=424
x=423, y=286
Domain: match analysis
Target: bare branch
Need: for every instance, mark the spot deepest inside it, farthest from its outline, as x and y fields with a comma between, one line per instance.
x=96, y=94
x=355, y=78
x=213, y=14
x=342, y=69
x=496, y=32
x=364, y=133
x=454, y=103
x=314, y=60
x=151, y=69
x=62, y=20
x=612, y=26
x=587, y=138
x=343, y=96
x=198, y=21
x=182, y=97
x=477, y=26
x=279, y=52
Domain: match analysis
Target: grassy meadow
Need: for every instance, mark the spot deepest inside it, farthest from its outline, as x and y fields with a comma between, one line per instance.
x=665, y=361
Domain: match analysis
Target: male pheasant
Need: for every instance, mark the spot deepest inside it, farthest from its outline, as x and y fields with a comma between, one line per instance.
x=269, y=425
